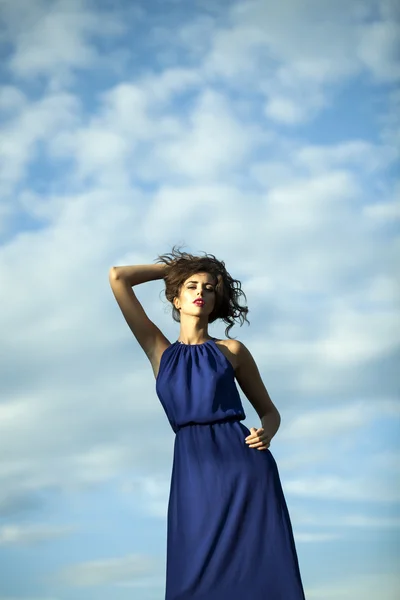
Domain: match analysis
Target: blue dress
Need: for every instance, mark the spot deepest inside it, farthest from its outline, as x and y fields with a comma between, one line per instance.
x=229, y=535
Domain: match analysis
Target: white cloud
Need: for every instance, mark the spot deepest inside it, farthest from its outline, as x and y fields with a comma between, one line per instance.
x=387, y=460
x=342, y=521
x=73, y=448
x=213, y=142
x=390, y=121
x=67, y=27
x=28, y=598
x=186, y=153
x=349, y=340
x=11, y=99
x=332, y=487
x=383, y=211
x=151, y=494
x=291, y=52
x=292, y=110
x=369, y=586
x=161, y=87
x=378, y=49
x=306, y=538
x=111, y=146
x=368, y=522
x=95, y=227
x=327, y=423
x=33, y=124
x=187, y=208
x=107, y=571
x=31, y=534
x=364, y=155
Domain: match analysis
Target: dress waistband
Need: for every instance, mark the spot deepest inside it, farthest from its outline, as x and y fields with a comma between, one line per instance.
x=228, y=419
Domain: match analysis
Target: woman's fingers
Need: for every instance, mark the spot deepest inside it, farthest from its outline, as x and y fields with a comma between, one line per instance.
x=254, y=433
x=259, y=444
x=258, y=439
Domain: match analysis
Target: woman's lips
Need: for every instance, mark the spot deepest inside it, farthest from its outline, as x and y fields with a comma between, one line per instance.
x=199, y=302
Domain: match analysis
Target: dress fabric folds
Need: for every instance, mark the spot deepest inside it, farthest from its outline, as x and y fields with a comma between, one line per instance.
x=229, y=534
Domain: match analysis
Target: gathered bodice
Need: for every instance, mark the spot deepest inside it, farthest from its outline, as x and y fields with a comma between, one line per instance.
x=196, y=384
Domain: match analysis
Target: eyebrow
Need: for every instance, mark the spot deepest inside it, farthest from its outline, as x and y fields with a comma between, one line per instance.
x=193, y=281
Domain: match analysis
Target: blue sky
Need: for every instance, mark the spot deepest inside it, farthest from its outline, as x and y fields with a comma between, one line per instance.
x=267, y=134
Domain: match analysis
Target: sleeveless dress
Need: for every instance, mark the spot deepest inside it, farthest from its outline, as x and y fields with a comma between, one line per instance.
x=229, y=535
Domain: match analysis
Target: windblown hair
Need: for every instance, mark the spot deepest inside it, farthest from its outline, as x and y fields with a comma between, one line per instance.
x=182, y=265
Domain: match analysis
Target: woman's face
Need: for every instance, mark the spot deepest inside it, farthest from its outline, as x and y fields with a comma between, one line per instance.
x=197, y=295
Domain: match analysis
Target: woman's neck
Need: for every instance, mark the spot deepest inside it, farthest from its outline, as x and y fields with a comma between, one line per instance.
x=193, y=335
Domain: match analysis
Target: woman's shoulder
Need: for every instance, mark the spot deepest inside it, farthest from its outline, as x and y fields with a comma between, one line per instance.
x=232, y=345
x=231, y=349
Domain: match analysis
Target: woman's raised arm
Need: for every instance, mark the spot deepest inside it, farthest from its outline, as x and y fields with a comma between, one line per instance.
x=149, y=336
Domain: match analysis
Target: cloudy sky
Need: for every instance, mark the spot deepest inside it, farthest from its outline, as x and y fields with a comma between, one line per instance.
x=265, y=133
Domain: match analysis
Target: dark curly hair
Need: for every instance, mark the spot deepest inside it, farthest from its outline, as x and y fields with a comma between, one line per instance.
x=181, y=265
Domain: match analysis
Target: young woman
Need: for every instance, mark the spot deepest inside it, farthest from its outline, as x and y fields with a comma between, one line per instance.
x=229, y=531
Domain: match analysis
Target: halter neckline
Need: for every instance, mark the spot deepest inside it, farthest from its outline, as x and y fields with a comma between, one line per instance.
x=201, y=344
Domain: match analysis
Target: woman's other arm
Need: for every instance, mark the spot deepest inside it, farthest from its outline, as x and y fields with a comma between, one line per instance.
x=149, y=336
x=249, y=379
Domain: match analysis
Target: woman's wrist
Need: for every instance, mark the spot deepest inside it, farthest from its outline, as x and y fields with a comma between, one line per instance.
x=271, y=422
x=136, y=274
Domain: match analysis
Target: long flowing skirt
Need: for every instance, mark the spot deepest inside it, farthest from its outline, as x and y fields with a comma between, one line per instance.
x=229, y=534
